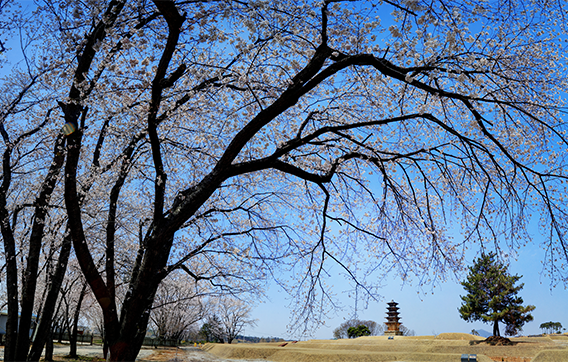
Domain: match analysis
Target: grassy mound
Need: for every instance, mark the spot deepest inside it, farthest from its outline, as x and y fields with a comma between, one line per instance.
x=242, y=351
x=551, y=356
x=561, y=337
x=310, y=354
x=459, y=336
x=446, y=347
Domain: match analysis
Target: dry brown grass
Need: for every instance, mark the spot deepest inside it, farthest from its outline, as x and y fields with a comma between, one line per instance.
x=551, y=356
x=444, y=347
x=459, y=336
x=164, y=354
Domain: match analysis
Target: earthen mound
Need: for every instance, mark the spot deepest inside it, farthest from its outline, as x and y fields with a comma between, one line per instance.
x=499, y=341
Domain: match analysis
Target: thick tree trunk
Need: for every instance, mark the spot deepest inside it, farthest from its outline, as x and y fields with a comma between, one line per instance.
x=11, y=264
x=136, y=312
x=12, y=294
x=105, y=348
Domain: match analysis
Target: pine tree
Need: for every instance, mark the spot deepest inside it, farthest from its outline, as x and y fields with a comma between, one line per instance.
x=492, y=296
x=359, y=331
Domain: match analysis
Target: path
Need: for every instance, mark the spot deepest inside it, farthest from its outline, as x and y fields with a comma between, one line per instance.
x=147, y=354
x=194, y=354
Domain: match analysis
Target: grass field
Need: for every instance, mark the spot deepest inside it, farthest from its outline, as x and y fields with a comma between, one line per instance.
x=444, y=347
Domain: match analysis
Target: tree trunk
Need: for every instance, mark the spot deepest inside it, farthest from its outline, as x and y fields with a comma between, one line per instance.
x=28, y=296
x=49, y=344
x=30, y=277
x=44, y=329
x=496, y=329
x=73, y=335
x=12, y=294
x=134, y=321
x=105, y=347
x=11, y=264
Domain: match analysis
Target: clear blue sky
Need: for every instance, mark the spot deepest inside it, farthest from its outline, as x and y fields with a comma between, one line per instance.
x=428, y=313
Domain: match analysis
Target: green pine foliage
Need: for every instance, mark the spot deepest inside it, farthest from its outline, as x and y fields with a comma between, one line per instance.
x=342, y=331
x=492, y=296
x=359, y=331
x=551, y=327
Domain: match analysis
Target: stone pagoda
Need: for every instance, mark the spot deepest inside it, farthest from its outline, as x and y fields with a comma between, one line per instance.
x=393, y=319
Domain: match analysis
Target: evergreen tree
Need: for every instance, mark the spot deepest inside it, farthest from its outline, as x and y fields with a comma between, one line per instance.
x=551, y=327
x=343, y=330
x=492, y=296
x=359, y=331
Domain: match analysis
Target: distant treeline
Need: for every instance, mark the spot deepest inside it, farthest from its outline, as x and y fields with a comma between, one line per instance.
x=251, y=339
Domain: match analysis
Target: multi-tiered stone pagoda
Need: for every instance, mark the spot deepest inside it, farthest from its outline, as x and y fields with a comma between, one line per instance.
x=393, y=324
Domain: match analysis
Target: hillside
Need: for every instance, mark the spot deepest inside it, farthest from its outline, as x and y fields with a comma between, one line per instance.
x=444, y=347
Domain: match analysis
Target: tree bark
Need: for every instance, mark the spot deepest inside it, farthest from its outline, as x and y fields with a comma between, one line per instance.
x=10, y=256
x=12, y=291
x=49, y=344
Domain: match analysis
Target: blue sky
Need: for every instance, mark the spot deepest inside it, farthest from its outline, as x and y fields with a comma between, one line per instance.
x=430, y=311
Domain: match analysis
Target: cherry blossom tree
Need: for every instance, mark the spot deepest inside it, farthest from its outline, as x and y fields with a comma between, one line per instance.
x=234, y=316
x=177, y=308
x=242, y=141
